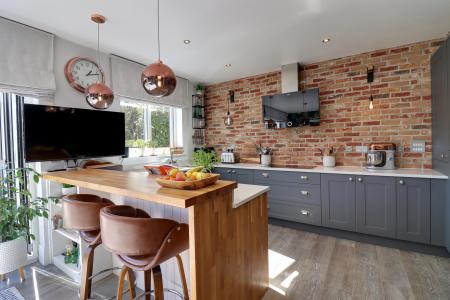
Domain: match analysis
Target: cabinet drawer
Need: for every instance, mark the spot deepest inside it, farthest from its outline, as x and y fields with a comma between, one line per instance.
x=264, y=176
x=299, y=193
x=304, y=213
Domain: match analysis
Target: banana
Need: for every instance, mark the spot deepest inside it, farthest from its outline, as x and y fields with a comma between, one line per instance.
x=195, y=169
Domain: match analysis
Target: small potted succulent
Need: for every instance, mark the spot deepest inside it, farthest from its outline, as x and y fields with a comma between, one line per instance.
x=68, y=189
x=200, y=89
x=15, y=218
x=265, y=154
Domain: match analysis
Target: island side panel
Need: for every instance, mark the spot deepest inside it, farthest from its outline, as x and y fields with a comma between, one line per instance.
x=228, y=248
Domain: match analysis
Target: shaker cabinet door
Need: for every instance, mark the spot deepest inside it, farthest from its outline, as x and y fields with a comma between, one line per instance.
x=338, y=201
x=376, y=205
x=242, y=176
x=440, y=106
x=413, y=209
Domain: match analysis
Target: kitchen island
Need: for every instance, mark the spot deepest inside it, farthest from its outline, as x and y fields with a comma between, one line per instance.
x=228, y=238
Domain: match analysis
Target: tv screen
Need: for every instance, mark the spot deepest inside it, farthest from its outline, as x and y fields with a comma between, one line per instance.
x=62, y=133
x=292, y=109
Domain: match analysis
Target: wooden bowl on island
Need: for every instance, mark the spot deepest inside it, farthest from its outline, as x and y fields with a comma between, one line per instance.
x=188, y=185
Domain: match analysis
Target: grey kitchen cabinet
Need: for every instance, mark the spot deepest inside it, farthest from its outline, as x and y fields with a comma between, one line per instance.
x=295, y=211
x=413, y=209
x=376, y=205
x=234, y=174
x=437, y=214
x=440, y=105
x=338, y=201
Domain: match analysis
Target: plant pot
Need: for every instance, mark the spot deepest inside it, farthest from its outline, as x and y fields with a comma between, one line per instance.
x=136, y=152
x=199, y=92
x=69, y=190
x=13, y=254
x=329, y=161
x=266, y=160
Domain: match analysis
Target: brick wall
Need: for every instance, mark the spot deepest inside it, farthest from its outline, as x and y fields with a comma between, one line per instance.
x=402, y=109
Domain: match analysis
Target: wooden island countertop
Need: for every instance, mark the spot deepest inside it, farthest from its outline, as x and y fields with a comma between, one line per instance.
x=134, y=184
x=228, y=243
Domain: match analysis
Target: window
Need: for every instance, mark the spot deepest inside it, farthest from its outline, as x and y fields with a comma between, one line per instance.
x=151, y=129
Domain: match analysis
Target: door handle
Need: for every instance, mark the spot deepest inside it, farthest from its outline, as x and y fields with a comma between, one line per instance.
x=229, y=171
x=360, y=179
x=402, y=182
x=304, y=177
x=264, y=175
x=233, y=171
x=305, y=212
x=305, y=193
x=350, y=179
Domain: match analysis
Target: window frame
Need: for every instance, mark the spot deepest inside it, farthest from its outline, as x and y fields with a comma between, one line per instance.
x=175, y=121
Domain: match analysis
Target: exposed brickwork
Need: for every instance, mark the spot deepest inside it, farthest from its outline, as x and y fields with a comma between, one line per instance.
x=402, y=109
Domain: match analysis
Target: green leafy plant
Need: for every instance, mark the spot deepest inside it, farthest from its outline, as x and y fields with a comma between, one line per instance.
x=200, y=87
x=151, y=144
x=207, y=159
x=139, y=143
x=66, y=186
x=15, y=218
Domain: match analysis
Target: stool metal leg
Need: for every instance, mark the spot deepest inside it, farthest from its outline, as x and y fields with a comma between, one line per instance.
x=183, y=277
x=158, y=282
x=86, y=272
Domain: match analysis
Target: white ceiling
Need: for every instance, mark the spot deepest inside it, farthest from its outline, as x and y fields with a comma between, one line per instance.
x=255, y=36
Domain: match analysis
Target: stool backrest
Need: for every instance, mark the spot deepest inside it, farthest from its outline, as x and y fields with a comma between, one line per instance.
x=82, y=211
x=126, y=230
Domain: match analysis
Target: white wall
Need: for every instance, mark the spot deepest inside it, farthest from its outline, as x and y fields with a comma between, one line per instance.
x=65, y=94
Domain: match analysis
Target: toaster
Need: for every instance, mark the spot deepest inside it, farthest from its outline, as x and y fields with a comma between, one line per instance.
x=228, y=158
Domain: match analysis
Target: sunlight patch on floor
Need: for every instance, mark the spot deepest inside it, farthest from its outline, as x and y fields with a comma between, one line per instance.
x=287, y=282
x=278, y=263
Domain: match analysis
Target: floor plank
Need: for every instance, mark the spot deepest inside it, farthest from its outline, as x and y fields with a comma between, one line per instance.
x=327, y=267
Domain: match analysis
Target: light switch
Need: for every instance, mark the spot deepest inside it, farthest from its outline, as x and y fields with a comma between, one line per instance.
x=418, y=146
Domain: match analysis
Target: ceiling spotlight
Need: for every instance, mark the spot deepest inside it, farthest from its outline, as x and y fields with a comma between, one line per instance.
x=326, y=40
x=228, y=65
x=187, y=42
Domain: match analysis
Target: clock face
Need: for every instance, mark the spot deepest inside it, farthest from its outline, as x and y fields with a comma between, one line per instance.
x=82, y=72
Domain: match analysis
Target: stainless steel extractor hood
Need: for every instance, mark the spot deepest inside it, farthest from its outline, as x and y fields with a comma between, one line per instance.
x=290, y=78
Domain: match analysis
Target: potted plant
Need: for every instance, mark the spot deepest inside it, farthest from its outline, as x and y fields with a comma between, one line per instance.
x=265, y=154
x=14, y=218
x=328, y=157
x=136, y=148
x=150, y=146
x=68, y=189
x=200, y=89
x=207, y=159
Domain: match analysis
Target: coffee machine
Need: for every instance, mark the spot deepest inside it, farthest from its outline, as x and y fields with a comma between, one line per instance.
x=381, y=156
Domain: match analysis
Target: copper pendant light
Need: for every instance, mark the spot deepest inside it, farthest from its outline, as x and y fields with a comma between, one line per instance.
x=158, y=79
x=99, y=95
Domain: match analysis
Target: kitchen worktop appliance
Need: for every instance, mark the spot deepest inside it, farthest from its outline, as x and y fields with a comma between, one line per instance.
x=381, y=156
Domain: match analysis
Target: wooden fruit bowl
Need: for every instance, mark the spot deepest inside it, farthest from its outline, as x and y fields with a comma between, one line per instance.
x=188, y=185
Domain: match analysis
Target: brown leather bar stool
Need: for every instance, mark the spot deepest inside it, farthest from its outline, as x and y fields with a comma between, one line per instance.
x=142, y=243
x=82, y=213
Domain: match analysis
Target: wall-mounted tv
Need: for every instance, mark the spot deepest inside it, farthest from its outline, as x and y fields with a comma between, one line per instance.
x=292, y=109
x=63, y=133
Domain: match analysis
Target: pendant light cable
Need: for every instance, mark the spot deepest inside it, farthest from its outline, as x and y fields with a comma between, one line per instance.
x=159, y=50
x=98, y=49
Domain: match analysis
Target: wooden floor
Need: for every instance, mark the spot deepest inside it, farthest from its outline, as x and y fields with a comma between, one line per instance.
x=305, y=265
x=310, y=266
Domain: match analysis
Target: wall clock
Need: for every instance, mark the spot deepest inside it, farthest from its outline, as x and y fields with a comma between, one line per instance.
x=82, y=72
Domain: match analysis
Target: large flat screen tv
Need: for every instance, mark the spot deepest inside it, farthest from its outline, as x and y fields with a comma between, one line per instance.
x=294, y=109
x=62, y=133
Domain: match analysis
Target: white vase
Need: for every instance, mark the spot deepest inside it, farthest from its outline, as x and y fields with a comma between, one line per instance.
x=329, y=161
x=13, y=254
x=266, y=160
x=69, y=190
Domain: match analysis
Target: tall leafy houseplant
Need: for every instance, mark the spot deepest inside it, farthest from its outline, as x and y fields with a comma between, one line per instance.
x=15, y=218
x=207, y=159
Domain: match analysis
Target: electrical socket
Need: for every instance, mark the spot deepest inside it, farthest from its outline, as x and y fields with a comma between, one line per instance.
x=348, y=149
x=400, y=149
x=362, y=149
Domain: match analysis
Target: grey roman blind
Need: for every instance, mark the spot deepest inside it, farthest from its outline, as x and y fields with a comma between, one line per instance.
x=26, y=60
x=126, y=82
